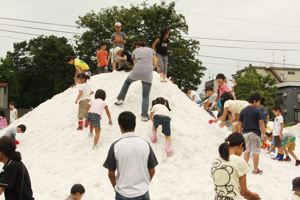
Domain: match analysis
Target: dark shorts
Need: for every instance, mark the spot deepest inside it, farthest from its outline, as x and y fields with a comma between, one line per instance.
x=94, y=119
x=164, y=121
x=143, y=197
x=277, y=142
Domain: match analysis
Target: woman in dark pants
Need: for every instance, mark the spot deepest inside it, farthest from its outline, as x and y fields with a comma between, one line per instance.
x=144, y=59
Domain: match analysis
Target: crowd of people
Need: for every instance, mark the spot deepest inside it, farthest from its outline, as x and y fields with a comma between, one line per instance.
x=132, y=157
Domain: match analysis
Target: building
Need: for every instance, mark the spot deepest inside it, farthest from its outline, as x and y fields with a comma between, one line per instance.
x=288, y=96
x=3, y=95
x=281, y=74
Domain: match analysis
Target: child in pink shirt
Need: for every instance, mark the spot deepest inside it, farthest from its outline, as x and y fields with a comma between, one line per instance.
x=95, y=111
x=222, y=86
x=3, y=122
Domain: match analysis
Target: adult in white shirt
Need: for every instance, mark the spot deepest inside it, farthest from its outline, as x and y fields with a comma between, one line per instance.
x=230, y=85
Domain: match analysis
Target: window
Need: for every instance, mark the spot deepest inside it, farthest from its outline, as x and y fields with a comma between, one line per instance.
x=298, y=97
x=291, y=73
x=5, y=90
x=280, y=98
x=297, y=115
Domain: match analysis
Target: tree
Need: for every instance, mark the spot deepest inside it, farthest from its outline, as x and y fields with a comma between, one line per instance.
x=41, y=69
x=251, y=82
x=9, y=75
x=143, y=22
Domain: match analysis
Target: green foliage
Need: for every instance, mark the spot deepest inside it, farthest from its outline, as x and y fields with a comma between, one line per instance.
x=251, y=82
x=143, y=23
x=9, y=75
x=40, y=68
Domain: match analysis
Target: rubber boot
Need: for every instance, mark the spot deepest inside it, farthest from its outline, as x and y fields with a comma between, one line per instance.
x=86, y=123
x=280, y=157
x=80, y=126
x=276, y=157
x=168, y=149
x=154, y=136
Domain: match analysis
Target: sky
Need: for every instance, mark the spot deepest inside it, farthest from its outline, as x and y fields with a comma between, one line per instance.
x=274, y=21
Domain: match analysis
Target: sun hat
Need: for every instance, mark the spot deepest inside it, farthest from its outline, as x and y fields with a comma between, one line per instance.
x=117, y=49
x=118, y=24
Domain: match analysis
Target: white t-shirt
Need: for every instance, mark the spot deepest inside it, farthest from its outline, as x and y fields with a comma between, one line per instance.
x=230, y=85
x=277, y=125
x=194, y=93
x=226, y=176
x=97, y=106
x=212, y=98
x=12, y=114
x=159, y=109
x=235, y=106
x=295, y=197
x=10, y=131
x=86, y=94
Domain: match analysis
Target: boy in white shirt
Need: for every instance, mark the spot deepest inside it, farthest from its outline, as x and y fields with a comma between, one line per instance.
x=13, y=113
x=277, y=132
x=193, y=95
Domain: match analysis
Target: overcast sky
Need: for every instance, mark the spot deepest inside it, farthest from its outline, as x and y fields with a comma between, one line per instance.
x=217, y=19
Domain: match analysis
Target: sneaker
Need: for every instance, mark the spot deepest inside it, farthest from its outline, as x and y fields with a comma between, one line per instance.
x=287, y=159
x=87, y=123
x=97, y=146
x=297, y=162
x=153, y=139
x=91, y=134
x=144, y=118
x=119, y=102
x=169, y=151
x=161, y=79
x=73, y=85
x=259, y=172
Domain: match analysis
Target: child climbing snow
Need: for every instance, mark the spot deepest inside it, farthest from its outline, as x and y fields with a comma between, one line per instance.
x=160, y=115
x=94, y=115
x=83, y=98
x=229, y=170
x=162, y=52
x=3, y=121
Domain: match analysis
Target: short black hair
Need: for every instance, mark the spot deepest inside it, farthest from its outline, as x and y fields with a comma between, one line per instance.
x=276, y=107
x=22, y=127
x=262, y=101
x=269, y=134
x=77, y=188
x=127, y=121
x=102, y=43
x=209, y=88
x=254, y=97
x=222, y=76
x=69, y=58
x=100, y=94
x=11, y=103
x=185, y=90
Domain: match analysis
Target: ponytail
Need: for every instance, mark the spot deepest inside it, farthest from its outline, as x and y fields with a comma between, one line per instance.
x=83, y=76
x=167, y=105
x=234, y=139
x=160, y=100
x=16, y=156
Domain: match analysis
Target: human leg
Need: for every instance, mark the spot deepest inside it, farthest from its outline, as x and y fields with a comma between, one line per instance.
x=294, y=155
x=255, y=162
x=124, y=89
x=246, y=157
x=165, y=63
x=156, y=120
x=97, y=135
x=145, y=103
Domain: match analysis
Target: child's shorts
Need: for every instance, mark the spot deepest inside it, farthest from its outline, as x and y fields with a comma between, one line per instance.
x=165, y=121
x=94, y=119
x=277, y=142
x=290, y=143
x=83, y=105
x=252, y=143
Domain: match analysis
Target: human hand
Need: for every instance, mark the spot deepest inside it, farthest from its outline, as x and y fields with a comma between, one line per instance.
x=268, y=152
x=280, y=136
x=255, y=196
x=110, y=122
x=76, y=101
x=215, y=121
x=265, y=137
x=98, y=65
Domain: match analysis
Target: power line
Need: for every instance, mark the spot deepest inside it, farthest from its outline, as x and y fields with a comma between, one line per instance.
x=19, y=32
x=232, y=40
x=249, y=48
x=39, y=28
x=218, y=64
x=38, y=22
x=242, y=20
x=11, y=37
x=246, y=60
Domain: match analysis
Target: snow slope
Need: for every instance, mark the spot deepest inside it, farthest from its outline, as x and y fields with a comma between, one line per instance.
x=58, y=156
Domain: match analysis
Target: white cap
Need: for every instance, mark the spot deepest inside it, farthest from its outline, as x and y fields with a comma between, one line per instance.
x=118, y=24
x=117, y=49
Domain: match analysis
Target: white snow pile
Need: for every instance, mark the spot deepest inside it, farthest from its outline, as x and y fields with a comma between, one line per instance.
x=58, y=156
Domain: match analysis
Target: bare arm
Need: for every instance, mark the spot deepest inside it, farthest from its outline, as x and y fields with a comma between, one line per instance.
x=217, y=99
x=98, y=61
x=207, y=105
x=151, y=173
x=79, y=95
x=232, y=88
x=232, y=95
x=87, y=110
x=1, y=190
x=151, y=116
x=268, y=117
x=240, y=126
x=223, y=117
x=112, y=178
x=244, y=190
x=281, y=129
x=262, y=128
x=108, y=114
x=109, y=56
x=193, y=98
x=77, y=69
x=155, y=43
x=155, y=62
x=16, y=114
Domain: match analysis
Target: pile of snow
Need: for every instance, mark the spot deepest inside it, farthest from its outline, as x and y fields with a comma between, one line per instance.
x=58, y=156
x=294, y=129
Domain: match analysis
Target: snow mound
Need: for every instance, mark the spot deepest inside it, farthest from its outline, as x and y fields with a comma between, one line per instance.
x=58, y=156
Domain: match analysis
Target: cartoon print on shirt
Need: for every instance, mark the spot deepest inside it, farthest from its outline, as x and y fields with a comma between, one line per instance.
x=223, y=189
